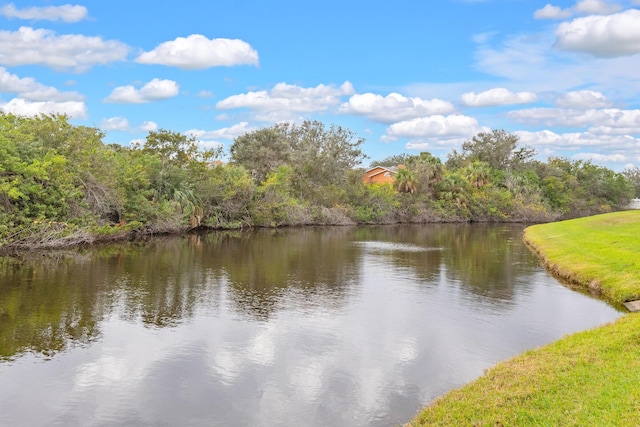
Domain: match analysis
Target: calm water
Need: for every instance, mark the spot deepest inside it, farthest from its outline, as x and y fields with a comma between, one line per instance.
x=304, y=327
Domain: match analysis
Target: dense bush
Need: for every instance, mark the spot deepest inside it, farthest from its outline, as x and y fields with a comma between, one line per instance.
x=60, y=184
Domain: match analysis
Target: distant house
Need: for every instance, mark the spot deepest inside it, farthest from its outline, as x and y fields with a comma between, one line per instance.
x=380, y=174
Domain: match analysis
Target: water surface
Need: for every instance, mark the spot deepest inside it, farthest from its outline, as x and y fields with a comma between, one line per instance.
x=316, y=326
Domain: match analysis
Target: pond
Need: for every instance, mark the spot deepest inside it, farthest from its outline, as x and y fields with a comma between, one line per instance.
x=336, y=326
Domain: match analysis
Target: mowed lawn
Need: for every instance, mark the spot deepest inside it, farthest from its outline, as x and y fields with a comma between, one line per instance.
x=601, y=252
x=591, y=378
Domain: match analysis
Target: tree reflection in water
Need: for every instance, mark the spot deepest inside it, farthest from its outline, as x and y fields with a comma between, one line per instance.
x=52, y=300
x=348, y=325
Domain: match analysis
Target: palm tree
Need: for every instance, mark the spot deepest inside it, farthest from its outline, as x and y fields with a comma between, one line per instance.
x=478, y=174
x=428, y=169
x=406, y=181
x=453, y=187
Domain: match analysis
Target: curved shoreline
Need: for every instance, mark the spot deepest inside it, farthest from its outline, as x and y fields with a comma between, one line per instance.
x=587, y=378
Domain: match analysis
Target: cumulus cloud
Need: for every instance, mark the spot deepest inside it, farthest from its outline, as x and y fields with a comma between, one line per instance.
x=35, y=98
x=197, y=52
x=66, y=13
x=230, y=133
x=29, y=89
x=155, y=90
x=601, y=158
x=284, y=99
x=596, y=7
x=582, y=7
x=601, y=121
x=583, y=99
x=434, y=143
x=497, y=96
x=434, y=126
x=115, y=123
x=149, y=126
x=602, y=36
x=122, y=124
x=393, y=107
x=576, y=140
x=23, y=107
x=43, y=47
x=211, y=138
x=552, y=12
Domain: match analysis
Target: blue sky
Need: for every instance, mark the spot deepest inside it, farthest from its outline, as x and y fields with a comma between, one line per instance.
x=407, y=76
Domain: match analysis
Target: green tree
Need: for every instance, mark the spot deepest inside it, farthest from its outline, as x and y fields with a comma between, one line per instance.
x=405, y=181
x=429, y=171
x=319, y=156
x=478, y=173
x=262, y=151
x=178, y=164
x=393, y=160
x=226, y=193
x=454, y=188
x=633, y=177
x=497, y=148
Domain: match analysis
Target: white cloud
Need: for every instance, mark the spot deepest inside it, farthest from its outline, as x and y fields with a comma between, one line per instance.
x=66, y=13
x=613, y=149
x=211, y=139
x=155, y=90
x=552, y=12
x=596, y=7
x=602, y=36
x=198, y=52
x=230, y=133
x=433, y=143
x=115, y=123
x=209, y=144
x=122, y=124
x=280, y=102
x=29, y=89
x=601, y=158
x=149, y=126
x=205, y=94
x=583, y=99
x=577, y=140
x=278, y=116
x=434, y=126
x=599, y=120
x=497, y=96
x=393, y=107
x=23, y=107
x=43, y=47
x=582, y=7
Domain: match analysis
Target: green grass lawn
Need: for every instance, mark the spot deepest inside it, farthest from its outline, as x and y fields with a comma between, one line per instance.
x=601, y=251
x=591, y=378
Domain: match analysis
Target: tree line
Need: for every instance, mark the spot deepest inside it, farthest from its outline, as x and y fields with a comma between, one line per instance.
x=61, y=184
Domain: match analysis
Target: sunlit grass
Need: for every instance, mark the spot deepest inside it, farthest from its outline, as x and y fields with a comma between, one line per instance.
x=590, y=378
x=601, y=251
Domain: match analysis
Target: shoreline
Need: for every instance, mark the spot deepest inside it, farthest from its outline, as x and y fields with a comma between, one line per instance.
x=586, y=378
x=86, y=239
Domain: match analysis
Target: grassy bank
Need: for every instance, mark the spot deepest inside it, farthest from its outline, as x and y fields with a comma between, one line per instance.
x=601, y=252
x=589, y=378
